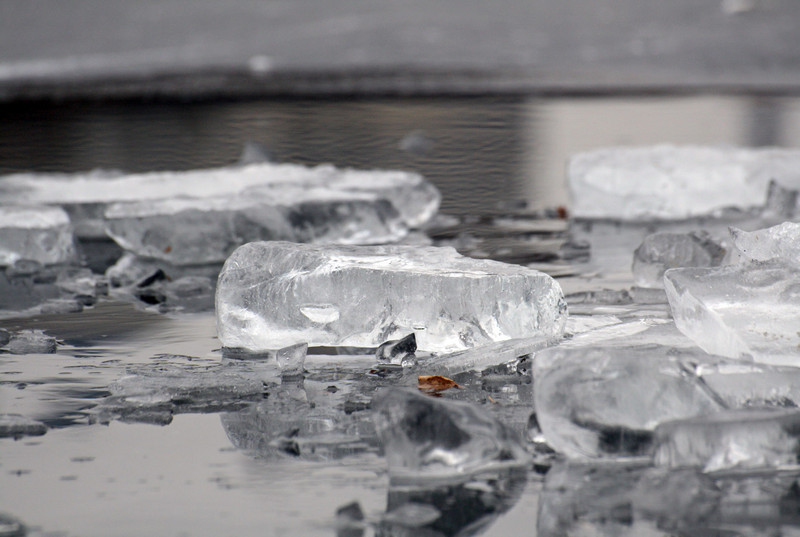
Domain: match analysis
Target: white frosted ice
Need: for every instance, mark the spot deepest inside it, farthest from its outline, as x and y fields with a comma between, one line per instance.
x=781, y=242
x=35, y=233
x=274, y=294
x=87, y=195
x=675, y=182
x=740, y=311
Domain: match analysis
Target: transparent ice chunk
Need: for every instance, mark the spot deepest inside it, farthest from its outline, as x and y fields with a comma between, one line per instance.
x=735, y=439
x=31, y=342
x=202, y=231
x=395, y=351
x=17, y=426
x=781, y=243
x=606, y=401
x=739, y=310
x=661, y=251
x=432, y=438
x=273, y=294
x=35, y=233
x=670, y=182
x=87, y=196
x=291, y=359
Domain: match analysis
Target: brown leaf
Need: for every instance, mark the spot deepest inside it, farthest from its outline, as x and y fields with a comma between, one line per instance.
x=435, y=383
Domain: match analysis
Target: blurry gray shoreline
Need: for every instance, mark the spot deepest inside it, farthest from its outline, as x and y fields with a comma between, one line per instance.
x=181, y=49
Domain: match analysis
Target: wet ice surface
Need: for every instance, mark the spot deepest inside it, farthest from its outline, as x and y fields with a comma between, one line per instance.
x=143, y=409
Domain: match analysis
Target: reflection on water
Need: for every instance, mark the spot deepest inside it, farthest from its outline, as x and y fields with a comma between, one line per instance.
x=481, y=152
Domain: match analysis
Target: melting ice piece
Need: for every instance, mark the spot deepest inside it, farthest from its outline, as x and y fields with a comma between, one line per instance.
x=272, y=294
x=86, y=196
x=397, y=350
x=153, y=392
x=290, y=359
x=35, y=233
x=781, y=202
x=606, y=401
x=781, y=242
x=744, y=384
x=201, y=231
x=736, y=439
x=668, y=182
x=661, y=251
x=32, y=342
x=16, y=425
x=739, y=311
x=430, y=438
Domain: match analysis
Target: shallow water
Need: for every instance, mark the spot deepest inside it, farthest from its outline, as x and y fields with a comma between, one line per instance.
x=213, y=469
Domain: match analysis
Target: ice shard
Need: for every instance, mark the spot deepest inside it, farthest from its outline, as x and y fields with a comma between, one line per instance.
x=661, y=251
x=595, y=401
x=747, y=311
x=31, y=342
x=87, y=196
x=204, y=231
x=17, y=426
x=736, y=439
x=274, y=294
x=428, y=438
x=672, y=182
x=780, y=243
x=35, y=233
x=397, y=351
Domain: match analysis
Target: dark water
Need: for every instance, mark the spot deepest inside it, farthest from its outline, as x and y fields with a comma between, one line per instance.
x=202, y=474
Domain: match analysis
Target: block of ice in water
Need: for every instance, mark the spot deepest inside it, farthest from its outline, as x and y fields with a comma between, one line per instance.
x=36, y=233
x=781, y=242
x=606, y=401
x=744, y=384
x=86, y=196
x=668, y=182
x=16, y=425
x=291, y=359
x=739, y=310
x=661, y=251
x=32, y=342
x=735, y=439
x=201, y=231
x=273, y=294
x=432, y=438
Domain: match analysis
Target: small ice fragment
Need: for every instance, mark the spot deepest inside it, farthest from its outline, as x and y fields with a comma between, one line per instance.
x=781, y=243
x=396, y=350
x=510, y=352
x=606, y=401
x=32, y=342
x=349, y=513
x=254, y=153
x=429, y=438
x=271, y=294
x=736, y=439
x=23, y=267
x=781, y=202
x=412, y=515
x=290, y=359
x=35, y=233
x=416, y=143
x=669, y=183
x=5, y=337
x=739, y=311
x=661, y=251
x=16, y=426
x=61, y=306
